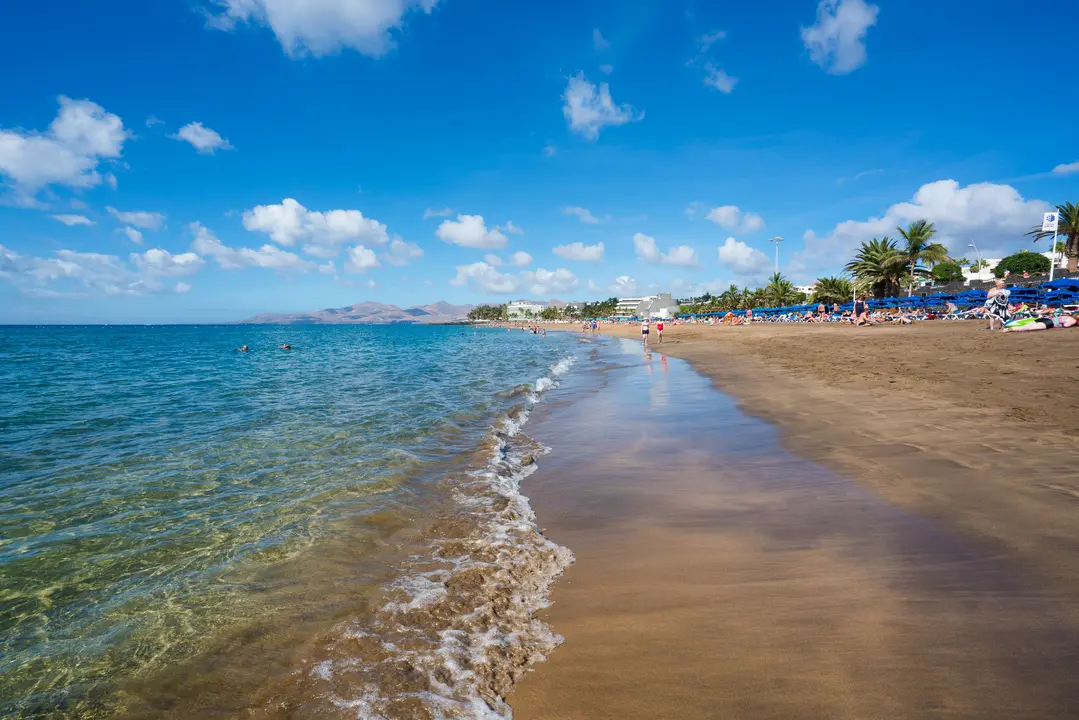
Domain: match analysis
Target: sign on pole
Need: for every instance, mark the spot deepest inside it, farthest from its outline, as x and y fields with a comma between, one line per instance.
x=1049, y=222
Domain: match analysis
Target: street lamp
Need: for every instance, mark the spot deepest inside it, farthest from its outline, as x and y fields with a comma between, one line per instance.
x=777, y=240
x=972, y=244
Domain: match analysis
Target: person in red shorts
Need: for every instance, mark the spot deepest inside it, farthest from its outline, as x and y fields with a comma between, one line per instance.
x=659, y=329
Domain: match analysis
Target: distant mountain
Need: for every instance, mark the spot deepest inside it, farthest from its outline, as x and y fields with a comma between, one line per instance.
x=369, y=313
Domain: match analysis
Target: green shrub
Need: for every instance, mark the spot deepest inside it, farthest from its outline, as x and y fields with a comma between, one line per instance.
x=947, y=272
x=1021, y=262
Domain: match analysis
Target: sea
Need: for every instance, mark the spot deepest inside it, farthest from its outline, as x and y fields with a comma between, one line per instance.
x=334, y=530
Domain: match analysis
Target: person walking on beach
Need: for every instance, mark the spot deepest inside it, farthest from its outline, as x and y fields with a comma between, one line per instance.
x=996, y=305
x=644, y=331
x=659, y=330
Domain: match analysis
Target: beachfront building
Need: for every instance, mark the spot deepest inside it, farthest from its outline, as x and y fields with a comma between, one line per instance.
x=519, y=309
x=986, y=273
x=806, y=290
x=662, y=306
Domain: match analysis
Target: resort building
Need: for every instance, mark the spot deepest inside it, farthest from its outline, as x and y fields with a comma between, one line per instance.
x=524, y=309
x=663, y=305
x=806, y=289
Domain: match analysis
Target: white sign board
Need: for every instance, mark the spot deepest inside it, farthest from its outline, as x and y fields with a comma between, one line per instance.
x=1049, y=222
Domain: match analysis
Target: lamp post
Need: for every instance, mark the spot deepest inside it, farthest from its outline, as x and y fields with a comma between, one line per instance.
x=974, y=245
x=777, y=240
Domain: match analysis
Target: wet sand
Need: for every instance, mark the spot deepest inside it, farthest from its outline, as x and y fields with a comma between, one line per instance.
x=720, y=575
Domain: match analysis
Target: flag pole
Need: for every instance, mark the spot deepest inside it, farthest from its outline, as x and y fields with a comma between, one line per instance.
x=1053, y=262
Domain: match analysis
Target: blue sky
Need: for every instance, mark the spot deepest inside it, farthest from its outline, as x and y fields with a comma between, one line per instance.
x=187, y=162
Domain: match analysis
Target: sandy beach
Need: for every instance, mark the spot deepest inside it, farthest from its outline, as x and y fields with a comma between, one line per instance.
x=902, y=544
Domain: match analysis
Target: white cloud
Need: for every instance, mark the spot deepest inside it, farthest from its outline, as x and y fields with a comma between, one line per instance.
x=360, y=259
x=444, y=212
x=322, y=27
x=492, y=260
x=606, y=69
x=589, y=109
x=151, y=121
x=70, y=274
x=156, y=261
x=140, y=219
x=470, y=231
x=202, y=138
x=267, y=256
x=549, y=282
x=323, y=233
x=401, y=253
x=695, y=207
x=112, y=181
x=521, y=258
x=67, y=154
x=994, y=216
x=549, y=150
x=732, y=218
x=511, y=228
x=327, y=268
x=584, y=214
x=599, y=41
x=133, y=235
x=837, y=41
x=482, y=277
x=623, y=286
x=73, y=220
x=707, y=40
x=1067, y=169
x=580, y=251
x=649, y=252
x=743, y=259
x=718, y=79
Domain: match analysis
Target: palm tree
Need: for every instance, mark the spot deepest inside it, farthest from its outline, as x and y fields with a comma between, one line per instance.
x=1067, y=228
x=779, y=292
x=874, y=270
x=731, y=298
x=921, y=253
x=832, y=290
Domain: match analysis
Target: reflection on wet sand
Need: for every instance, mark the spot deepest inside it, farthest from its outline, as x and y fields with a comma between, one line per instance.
x=719, y=576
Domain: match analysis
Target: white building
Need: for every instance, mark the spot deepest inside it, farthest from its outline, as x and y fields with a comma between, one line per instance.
x=652, y=306
x=523, y=309
x=806, y=289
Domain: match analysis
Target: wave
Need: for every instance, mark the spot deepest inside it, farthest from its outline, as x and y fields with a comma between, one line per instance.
x=455, y=632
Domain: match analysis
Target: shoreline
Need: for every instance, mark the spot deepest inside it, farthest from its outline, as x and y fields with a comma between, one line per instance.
x=970, y=428
x=721, y=574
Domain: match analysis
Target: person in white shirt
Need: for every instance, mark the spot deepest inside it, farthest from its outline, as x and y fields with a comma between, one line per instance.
x=644, y=331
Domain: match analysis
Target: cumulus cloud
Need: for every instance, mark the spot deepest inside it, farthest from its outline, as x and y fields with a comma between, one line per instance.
x=444, y=212
x=202, y=138
x=322, y=233
x=837, y=41
x=718, y=79
x=521, y=258
x=70, y=274
x=73, y=220
x=267, y=256
x=1066, y=169
x=580, y=251
x=322, y=27
x=648, y=251
x=623, y=286
x=360, y=259
x=482, y=277
x=584, y=214
x=743, y=259
x=732, y=218
x=401, y=253
x=550, y=282
x=511, y=228
x=68, y=153
x=996, y=216
x=589, y=108
x=492, y=260
x=706, y=41
x=470, y=231
x=133, y=235
x=139, y=219
x=598, y=41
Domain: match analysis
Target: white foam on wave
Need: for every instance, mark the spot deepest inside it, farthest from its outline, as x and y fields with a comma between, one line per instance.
x=457, y=663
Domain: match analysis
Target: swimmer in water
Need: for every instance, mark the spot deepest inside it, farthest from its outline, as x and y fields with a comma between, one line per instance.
x=243, y=349
x=286, y=346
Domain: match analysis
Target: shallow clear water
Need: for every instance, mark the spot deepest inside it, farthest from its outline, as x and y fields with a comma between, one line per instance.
x=152, y=478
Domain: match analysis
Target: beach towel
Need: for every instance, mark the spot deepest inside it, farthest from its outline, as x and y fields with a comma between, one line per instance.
x=997, y=306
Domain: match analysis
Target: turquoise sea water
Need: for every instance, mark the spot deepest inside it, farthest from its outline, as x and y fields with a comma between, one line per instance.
x=154, y=481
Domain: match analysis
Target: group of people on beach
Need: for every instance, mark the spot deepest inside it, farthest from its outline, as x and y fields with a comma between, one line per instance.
x=1003, y=316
